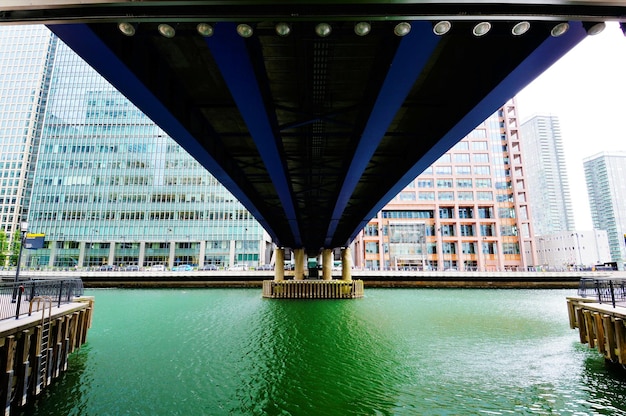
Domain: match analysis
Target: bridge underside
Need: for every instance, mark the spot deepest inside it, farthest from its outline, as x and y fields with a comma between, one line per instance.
x=314, y=134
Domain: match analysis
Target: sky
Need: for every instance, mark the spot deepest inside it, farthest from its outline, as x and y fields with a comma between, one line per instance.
x=586, y=90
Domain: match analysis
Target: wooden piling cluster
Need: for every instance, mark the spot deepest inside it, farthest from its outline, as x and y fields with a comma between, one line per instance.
x=34, y=349
x=313, y=289
x=601, y=326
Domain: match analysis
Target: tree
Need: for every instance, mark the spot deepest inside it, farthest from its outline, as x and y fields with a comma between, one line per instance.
x=4, y=248
x=16, y=244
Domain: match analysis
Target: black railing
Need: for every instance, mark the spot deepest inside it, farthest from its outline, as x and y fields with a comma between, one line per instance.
x=16, y=296
x=605, y=290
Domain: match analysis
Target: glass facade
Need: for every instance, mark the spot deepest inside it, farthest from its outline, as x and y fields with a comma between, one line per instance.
x=111, y=188
x=606, y=187
x=25, y=53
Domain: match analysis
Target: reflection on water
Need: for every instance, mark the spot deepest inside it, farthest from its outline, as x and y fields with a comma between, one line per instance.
x=396, y=351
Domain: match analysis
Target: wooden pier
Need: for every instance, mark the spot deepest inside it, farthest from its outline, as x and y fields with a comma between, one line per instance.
x=313, y=289
x=601, y=325
x=34, y=348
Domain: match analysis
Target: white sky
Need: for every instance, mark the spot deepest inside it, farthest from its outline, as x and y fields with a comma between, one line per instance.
x=586, y=90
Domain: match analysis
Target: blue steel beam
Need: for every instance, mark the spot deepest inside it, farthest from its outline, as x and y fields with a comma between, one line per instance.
x=550, y=51
x=412, y=55
x=232, y=58
x=85, y=43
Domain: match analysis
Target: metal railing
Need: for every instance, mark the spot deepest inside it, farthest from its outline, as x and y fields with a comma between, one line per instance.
x=605, y=290
x=16, y=296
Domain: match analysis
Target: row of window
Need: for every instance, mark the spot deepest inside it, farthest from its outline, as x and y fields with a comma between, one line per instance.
x=139, y=215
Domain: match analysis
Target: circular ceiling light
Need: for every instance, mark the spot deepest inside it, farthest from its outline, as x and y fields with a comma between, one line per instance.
x=166, y=30
x=362, y=28
x=126, y=28
x=441, y=28
x=244, y=30
x=481, y=29
x=520, y=28
x=205, y=29
x=596, y=29
x=402, y=29
x=559, y=29
x=323, y=30
x=283, y=29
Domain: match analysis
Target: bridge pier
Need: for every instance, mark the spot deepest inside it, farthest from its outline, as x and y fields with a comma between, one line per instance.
x=346, y=264
x=279, y=265
x=298, y=254
x=327, y=264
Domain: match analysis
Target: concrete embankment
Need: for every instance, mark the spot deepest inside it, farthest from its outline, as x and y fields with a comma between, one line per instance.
x=383, y=279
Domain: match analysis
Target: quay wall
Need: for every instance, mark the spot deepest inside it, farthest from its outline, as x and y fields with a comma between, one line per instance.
x=386, y=279
x=34, y=349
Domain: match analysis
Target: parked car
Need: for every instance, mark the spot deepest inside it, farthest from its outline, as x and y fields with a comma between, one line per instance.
x=108, y=268
x=182, y=268
x=132, y=268
x=157, y=268
x=265, y=267
x=238, y=267
x=209, y=267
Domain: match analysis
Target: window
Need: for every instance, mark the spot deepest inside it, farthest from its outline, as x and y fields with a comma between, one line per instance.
x=481, y=158
x=482, y=170
x=463, y=183
x=480, y=145
x=467, y=230
x=426, y=196
x=466, y=212
x=443, y=170
x=447, y=212
x=485, y=212
x=424, y=183
x=483, y=183
x=444, y=183
x=407, y=196
x=371, y=247
x=463, y=170
x=484, y=195
x=462, y=158
x=465, y=195
x=446, y=196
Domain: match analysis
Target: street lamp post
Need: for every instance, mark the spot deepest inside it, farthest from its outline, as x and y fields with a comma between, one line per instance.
x=24, y=230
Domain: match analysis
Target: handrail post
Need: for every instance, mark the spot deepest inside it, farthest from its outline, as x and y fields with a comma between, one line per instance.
x=612, y=293
x=60, y=294
x=19, y=301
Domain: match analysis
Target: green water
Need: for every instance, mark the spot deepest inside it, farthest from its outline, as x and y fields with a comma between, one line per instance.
x=394, y=352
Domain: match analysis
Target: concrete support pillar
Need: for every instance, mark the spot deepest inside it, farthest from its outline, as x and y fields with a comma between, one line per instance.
x=142, y=254
x=201, y=251
x=279, y=266
x=172, y=255
x=111, y=259
x=299, y=269
x=82, y=246
x=346, y=264
x=53, y=253
x=327, y=264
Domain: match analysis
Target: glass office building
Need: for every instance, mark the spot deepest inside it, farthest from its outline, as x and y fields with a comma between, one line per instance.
x=25, y=57
x=111, y=188
x=546, y=172
x=604, y=175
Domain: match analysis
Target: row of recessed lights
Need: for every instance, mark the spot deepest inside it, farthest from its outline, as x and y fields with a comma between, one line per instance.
x=363, y=28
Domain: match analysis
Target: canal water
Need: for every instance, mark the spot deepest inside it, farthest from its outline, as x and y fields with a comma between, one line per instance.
x=394, y=352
